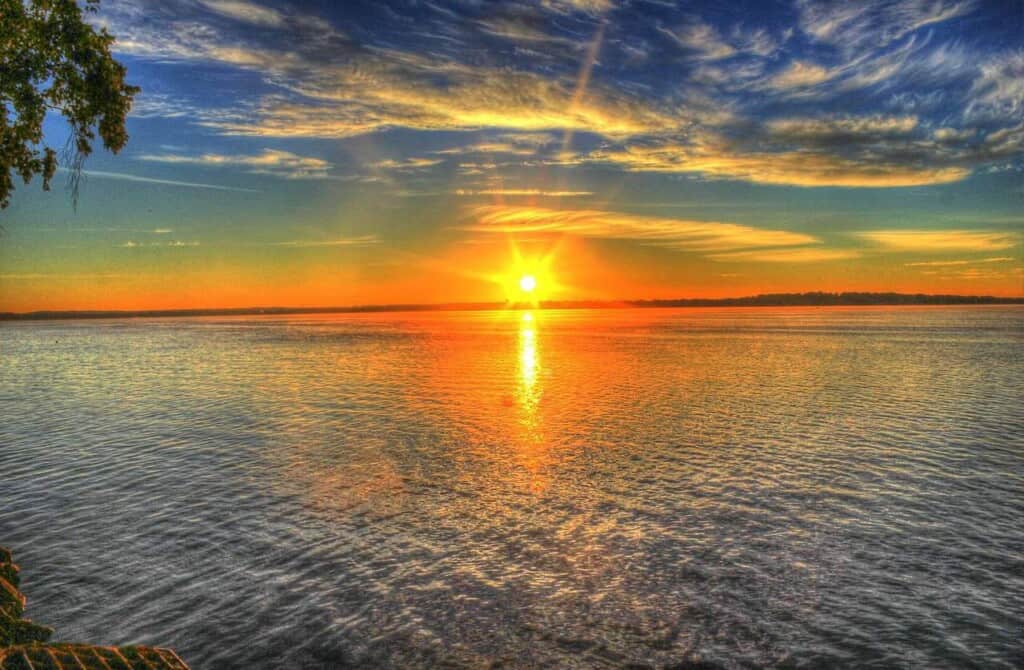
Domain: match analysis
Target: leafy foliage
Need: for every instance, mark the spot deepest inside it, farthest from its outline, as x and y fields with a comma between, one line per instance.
x=51, y=59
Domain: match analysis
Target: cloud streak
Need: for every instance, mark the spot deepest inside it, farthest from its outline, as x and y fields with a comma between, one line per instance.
x=683, y=234
x=941, y=240
x=99, y=174
x=726, y=118
x=270, y=162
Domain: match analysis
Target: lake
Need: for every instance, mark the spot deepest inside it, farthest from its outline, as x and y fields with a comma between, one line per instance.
x=811, y=487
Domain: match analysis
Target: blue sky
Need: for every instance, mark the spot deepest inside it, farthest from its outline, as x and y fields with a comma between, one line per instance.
x=354, y=151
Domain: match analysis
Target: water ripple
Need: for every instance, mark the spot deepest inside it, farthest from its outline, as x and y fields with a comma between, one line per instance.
x=641, y=488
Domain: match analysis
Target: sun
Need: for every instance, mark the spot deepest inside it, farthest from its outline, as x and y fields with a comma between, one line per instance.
x=528, y=279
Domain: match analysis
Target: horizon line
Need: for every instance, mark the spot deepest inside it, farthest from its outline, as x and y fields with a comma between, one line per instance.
x=805, y=299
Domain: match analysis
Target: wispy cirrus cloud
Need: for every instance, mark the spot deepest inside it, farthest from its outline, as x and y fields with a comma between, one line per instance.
x=839, y=130
x=171, y=244
x=521, y=192
x=853, y=25
x=700, y=38
x=357, y=241
x=122, y=176
x=588, y=6
x=800, y=167
x=800, y=75
x=74, y=276
x=799, y=255
x=941, y=240
x=683, y=234
x=406, y=164
x=998, y=92
x=247, y=12
x=934, y=264
x=321, y=82
x=271, y=162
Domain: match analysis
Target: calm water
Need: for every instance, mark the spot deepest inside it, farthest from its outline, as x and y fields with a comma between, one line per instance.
x=804, y=487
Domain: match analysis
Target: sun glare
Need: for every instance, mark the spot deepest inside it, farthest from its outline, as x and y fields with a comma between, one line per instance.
x=528, y=279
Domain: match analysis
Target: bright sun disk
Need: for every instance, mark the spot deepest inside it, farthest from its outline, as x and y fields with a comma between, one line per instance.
x=528, y=283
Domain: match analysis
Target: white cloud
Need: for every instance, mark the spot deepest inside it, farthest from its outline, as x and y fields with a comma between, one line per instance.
x=168, y=182
x=531, y=192
x=358, y=241
x=247, y=12
x=270, y=162
x=999, y=91
x=855, y=25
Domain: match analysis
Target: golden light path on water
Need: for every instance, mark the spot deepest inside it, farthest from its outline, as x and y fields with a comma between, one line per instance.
x=528, y=397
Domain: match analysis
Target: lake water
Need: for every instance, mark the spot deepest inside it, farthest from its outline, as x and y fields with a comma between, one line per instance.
x=750, y=487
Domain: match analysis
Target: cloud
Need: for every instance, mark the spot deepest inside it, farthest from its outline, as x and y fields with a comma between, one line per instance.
x=707, y=42
x=174, y=244
x=517, y=29
x=522, y=192
x=702, y=38
x=32, y=276
x=999, y=91
x=799, y=255
x=490, y=148
x=247, y=12
x=941, y=240
x=866, y=151
x=359, y=241
x=972, y=274
x=169, y=182
x=854, y=25
x=789, y=168
x=951, y=135
x=929, y=264
x=334, y=87
x=270, y=162
x=801, y=74
x=406, y=164
x=732, y=112
x=848, y=129
x=518, y=144
x=587, y=6
x=701, y=236
x=344, y=101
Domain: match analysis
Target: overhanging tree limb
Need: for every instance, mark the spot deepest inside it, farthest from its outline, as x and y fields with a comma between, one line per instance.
x=52, y=59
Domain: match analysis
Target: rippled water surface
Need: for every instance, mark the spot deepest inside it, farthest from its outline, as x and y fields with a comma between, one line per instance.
x=751, y=487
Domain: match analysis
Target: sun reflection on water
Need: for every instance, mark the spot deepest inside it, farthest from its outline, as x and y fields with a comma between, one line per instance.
x=527, y=359
x=528, y=395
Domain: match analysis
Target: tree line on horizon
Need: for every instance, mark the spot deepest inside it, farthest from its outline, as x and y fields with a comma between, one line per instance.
x=809, y=299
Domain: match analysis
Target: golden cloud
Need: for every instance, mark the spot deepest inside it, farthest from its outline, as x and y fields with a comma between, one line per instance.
x=801, y=74
x=941, y=240
x=798, y=255
x=792, y=168
x=705, y=236
x=844, y=126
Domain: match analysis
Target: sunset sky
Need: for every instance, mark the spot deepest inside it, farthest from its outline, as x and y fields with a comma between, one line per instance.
x=336, y=153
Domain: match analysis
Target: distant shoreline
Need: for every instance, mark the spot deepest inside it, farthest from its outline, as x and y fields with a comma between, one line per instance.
x=815, y=299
